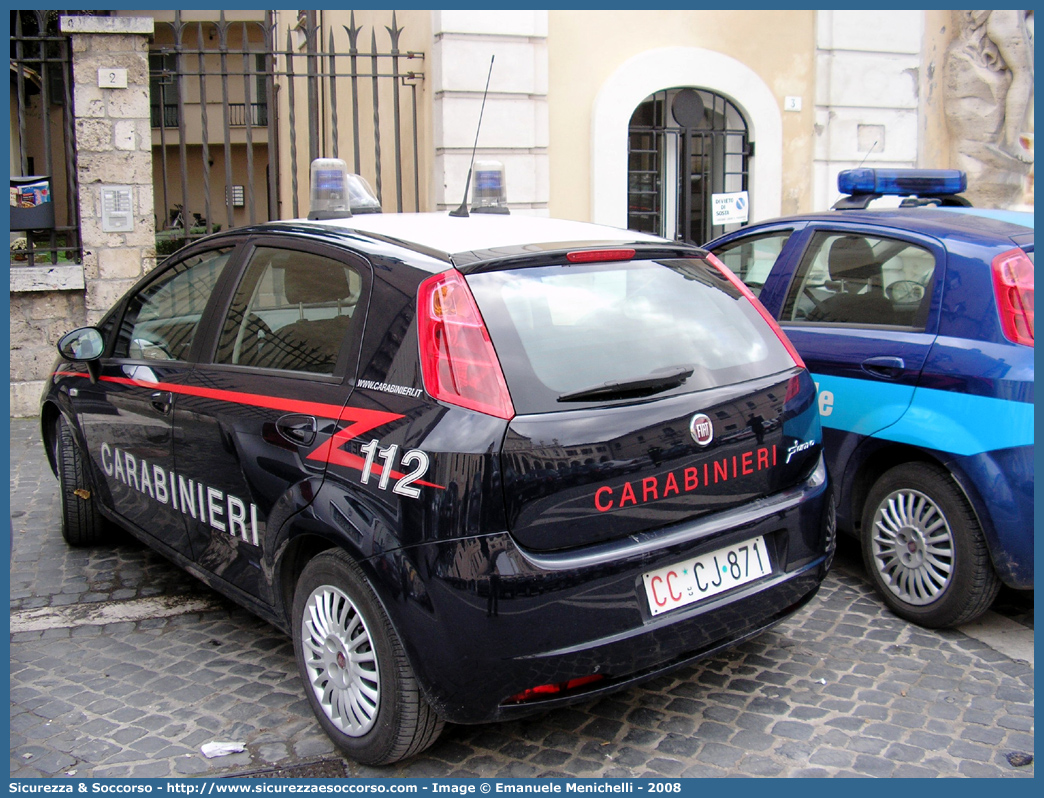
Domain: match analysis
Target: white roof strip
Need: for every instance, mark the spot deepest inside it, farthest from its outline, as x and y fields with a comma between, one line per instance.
x=444, y=233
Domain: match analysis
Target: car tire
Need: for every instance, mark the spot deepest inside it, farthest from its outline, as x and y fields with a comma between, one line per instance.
x=82, y=524
x=356, y=675
x=924, y=549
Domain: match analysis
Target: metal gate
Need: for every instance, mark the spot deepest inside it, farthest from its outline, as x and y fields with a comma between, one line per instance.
x=684, y=145
x=45, y=145
x=237, y=121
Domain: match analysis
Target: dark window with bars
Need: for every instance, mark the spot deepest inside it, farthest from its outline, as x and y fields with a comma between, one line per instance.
x=164, y=85
x=684, y=145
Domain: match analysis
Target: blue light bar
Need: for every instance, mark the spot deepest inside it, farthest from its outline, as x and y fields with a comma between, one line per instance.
x=902, y=182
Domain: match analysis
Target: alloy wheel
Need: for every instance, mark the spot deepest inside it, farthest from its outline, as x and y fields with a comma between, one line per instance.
x=912, y=546
x=341, y=661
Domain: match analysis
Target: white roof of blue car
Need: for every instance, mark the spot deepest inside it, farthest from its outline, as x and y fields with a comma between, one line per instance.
x=1022, y=218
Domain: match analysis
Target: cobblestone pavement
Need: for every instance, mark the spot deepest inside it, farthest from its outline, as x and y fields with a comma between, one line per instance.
x=842, y=689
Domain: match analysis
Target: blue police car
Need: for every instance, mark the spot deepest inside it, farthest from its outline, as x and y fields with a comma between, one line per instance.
x=917, y=324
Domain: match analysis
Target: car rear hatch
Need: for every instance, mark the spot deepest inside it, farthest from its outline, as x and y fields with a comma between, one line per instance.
x=648, y=392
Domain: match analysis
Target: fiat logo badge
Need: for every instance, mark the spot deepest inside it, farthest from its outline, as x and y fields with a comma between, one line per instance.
x=701, y=429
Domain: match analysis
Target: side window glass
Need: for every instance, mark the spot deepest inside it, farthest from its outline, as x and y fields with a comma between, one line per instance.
x=292, y=311
x=108, y=324
x=161, y=320
x=862, y=280
x=753, y=258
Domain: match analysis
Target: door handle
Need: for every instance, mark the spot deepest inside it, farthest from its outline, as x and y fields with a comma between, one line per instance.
x=161, y=400
x=297, y=429
x=886, y=366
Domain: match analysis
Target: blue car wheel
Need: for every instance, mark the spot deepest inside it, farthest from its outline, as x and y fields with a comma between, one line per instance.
x=924, y=549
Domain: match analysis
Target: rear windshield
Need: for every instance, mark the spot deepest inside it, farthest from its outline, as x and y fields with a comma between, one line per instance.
x=562, y=330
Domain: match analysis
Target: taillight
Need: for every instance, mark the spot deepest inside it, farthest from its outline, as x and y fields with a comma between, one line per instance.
x=458, y=362
x=732, y=278
x=1013, y=288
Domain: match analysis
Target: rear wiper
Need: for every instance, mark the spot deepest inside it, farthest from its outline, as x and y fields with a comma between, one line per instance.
x=639, y=386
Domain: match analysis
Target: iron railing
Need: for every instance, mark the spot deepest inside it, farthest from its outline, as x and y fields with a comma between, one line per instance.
x=225, y=109
x=237, y=114
x=41, y=76
x=164, y=115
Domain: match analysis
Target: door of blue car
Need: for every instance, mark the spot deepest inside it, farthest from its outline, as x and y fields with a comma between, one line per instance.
x=861, y=309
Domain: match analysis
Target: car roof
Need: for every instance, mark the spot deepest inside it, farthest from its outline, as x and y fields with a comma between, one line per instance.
x=1020, y=218
x=971, y=224
x=492, y=235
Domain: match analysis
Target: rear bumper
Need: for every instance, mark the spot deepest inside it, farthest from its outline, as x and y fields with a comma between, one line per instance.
x=484, y=620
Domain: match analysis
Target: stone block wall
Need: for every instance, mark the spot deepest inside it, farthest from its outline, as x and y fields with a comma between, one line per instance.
x=114, y=146
x=38, y=320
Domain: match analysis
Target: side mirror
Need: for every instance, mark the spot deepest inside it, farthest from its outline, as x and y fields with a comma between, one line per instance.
x=81, y=345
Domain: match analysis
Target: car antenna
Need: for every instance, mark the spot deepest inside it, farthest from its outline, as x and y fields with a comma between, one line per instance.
x=872, y=148
x=463, y=209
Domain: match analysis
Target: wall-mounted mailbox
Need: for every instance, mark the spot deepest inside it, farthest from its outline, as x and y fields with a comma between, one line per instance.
x=32, y=206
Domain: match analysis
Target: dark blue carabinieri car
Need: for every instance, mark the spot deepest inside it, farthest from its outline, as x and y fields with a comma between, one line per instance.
x=917, y=325
x=477, y=467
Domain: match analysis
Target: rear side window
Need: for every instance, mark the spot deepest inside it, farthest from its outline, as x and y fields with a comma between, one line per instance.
x=559, y=330
x=292, y=312
x=864, y=281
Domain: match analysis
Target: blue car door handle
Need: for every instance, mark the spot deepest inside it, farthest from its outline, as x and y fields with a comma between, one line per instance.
x=885, y=366
x=298, y=429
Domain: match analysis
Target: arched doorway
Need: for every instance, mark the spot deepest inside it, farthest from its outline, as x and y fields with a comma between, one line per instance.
x=638, y=78
x=684, y=145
